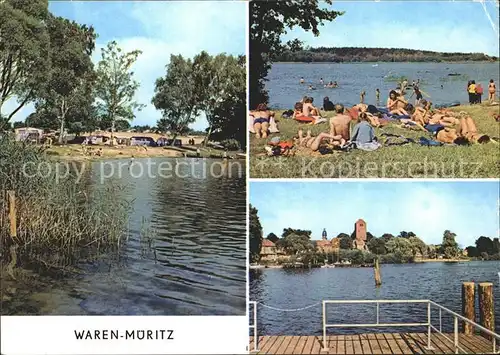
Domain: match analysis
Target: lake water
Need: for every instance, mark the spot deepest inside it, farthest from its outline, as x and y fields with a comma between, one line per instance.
x=284, y=87
x=196, y=261
x=293, y=289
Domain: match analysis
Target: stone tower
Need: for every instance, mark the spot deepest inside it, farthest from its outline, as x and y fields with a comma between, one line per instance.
x=324, y=235
x=360, y=232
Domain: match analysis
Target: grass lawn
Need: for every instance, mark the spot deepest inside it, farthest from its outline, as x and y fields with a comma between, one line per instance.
x=406, y=161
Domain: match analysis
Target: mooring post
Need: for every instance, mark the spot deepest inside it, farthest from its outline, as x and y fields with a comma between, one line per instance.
x=378, y=279
x=468, y=306
x=486, y=307
x=12, y=213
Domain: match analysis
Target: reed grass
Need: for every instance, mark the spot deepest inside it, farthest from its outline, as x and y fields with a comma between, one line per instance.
x=59, y=221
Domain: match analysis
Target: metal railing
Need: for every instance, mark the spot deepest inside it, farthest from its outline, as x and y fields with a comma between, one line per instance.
x=430, y=327
x=253, y=325
x=427, y=324
x=377, y=324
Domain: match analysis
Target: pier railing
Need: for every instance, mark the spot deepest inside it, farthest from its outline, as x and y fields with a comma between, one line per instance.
x=428, y=324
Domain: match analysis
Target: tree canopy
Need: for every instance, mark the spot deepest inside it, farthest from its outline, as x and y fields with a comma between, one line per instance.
x=24, y=51
x=255, y=235
x=115, y=84
x=269, y=20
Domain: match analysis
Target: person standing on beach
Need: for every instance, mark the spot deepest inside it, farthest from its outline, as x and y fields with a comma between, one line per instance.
x=471, y=89
x=479, y=93
x=491, y=91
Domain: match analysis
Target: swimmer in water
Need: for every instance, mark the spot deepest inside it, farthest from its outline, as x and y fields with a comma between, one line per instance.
x=302, y=80
x=377, y=95
x=311, y=87
x=321, y=81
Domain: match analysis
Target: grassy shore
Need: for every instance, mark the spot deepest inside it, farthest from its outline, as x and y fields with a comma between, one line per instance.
x=405, y=161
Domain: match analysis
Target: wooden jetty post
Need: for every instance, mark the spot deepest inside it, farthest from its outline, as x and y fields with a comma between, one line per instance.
x=468, y=306
x=12, y=213
x=486, y=307
x=378, y=279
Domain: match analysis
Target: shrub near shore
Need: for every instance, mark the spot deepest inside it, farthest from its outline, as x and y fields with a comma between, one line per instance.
x=406, y=161
x=60, y=220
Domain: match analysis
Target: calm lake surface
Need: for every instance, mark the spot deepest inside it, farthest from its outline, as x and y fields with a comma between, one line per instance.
x=195, y=263
x=284, y=87
x=292, y=289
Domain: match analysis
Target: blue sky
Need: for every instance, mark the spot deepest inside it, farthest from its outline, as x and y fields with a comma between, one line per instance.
x=159, y=29
x=455, y=26
x=469, y=209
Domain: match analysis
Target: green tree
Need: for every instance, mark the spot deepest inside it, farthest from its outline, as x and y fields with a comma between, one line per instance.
x=69, y=88
x=273, y=237
x=484, y=245
x=449, y=245
x=377, y=246
x=24, y=51
x=400, y=247
x=300, y=232
x=417, y=246
x=115, y=85
x=387, y=236
x=268, y=21
x=255, y=235
x=177, y=96
x=472, y=252
x=296, y=244
x=221, y=80
x=345, y=242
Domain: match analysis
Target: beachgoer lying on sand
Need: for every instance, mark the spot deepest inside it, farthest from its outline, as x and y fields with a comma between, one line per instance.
x=396, y=103
x=340, y=123
x=314, y=143
x=465, y=133
x=261, y=117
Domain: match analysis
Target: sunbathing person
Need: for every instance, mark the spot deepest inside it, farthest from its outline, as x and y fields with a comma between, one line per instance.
x=261, y=118
x=363, y=134
x=340, y=123
x=306, y=112
x=396, y=103
x=373, y=119
x=314, y=143
x=466, y=132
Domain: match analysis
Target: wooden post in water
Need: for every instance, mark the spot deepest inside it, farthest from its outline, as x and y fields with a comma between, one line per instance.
x=486, y=309
x=378, y=279
x=468, y=306
x=12, y=213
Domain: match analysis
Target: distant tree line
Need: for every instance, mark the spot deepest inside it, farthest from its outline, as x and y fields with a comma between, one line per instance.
x=362, y=54
x=485, y=248
x=402, y=248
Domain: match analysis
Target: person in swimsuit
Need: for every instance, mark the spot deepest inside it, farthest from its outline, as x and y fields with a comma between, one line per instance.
x=491, y=91
x=467, y=131
x=362, y=97
x=314, y=143
x=309, y=110
x=321, y=81
x=395, y=104
x=302, y=80
x=261, y=116
x=418, y=95
x=377, y=95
